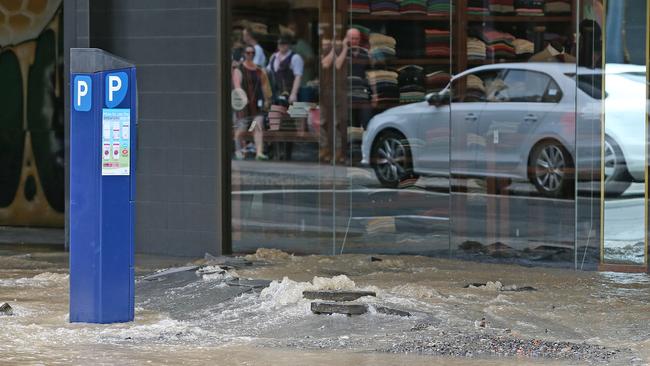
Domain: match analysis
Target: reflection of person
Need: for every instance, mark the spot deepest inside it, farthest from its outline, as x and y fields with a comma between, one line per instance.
x=285, y=70
x=590, y=47
x=253, y=80
x=303, y=48
x=250, y=39
x=353, y=62
x=335, y=70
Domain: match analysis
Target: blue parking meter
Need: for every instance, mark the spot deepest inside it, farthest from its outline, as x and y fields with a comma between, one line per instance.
x=103, y=117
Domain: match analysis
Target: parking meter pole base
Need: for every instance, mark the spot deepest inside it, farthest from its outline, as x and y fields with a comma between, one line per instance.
x=103, y=119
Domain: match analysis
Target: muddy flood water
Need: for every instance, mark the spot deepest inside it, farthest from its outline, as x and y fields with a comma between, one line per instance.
x=461, y=313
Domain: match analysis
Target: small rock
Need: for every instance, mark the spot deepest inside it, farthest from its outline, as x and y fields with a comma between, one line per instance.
x=6, y=309
x=375, y=259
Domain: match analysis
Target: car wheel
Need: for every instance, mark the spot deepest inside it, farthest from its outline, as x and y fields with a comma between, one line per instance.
x=617, y=177
x=551, y=170
x=391, y=159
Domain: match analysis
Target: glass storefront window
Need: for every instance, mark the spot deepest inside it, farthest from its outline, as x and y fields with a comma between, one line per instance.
x=464, y=128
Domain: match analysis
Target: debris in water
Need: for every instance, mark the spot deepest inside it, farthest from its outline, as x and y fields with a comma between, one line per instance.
x=375, y=259
x=210, y=270
x=336, y=295
x=234, y=262
x=515, y=288
x=483, y=323
x=420, y=326
x=471, y=246
x=338, y=308
x=389, y=311
x=268, y=254
x=500, y=250
x=6, y=309
x=160, y=275
x=499, y=287
x=248, y=283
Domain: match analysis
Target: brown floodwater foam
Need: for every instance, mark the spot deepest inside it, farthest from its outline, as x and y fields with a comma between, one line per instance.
x=276, y=325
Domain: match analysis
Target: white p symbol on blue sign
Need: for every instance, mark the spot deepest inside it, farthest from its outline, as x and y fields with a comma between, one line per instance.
x=117, y=84
x=82, y=93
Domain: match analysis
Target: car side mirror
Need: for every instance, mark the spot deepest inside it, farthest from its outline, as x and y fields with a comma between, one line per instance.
x=438, y=98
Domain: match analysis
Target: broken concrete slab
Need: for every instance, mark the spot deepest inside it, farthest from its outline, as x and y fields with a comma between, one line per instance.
x=336, y=295
x=168, y=272
x=389, y=311
x=6, y=309
x=353, y=309
x=248, y=283
x=338, y=308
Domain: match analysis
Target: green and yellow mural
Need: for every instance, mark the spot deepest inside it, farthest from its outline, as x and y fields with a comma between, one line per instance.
x=31, y=113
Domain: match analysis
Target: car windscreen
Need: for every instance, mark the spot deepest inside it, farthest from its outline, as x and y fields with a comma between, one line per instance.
x=590, y=84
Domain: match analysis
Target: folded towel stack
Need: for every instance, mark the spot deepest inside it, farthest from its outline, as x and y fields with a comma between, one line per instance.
x=523, y=48
x=478, y=7
x=529, y=7
x=384, y=7
x=498, y=44
x=557, y=7
x=359, y=6
x=384, y=86
x=411, y=84
x=436, y=43
x=382, y=48
x=438, y=7
x=476, y=49
x=413, y=7
x=502, y=6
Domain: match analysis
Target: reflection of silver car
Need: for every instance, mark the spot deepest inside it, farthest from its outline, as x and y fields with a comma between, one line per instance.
x=517, y=121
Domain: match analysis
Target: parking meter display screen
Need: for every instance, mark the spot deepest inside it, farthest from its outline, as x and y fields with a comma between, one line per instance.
x=116, y=148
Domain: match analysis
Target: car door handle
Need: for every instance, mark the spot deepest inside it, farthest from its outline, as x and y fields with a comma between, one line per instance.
x=530, y=118
x=471, y=117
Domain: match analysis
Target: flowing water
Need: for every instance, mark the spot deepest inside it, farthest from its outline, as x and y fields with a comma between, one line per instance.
x=200, y=318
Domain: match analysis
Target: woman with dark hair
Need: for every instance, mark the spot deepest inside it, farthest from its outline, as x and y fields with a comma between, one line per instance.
x=253, y=80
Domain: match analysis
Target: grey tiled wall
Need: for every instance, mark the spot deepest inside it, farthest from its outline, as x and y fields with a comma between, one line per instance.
x=174, y=47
